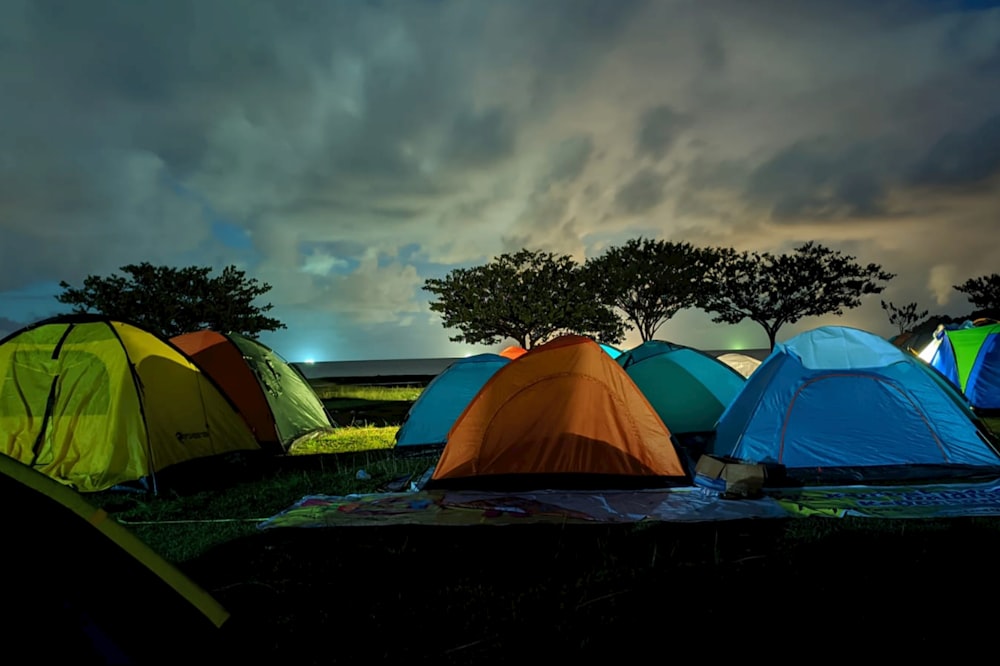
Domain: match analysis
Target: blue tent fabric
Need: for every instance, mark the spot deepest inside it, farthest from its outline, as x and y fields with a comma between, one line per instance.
x=982, y=384
x=838, y=398
x=688, y=388
x=442, y=401
x=612, y=351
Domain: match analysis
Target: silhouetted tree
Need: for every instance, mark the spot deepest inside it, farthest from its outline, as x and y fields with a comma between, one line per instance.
x=905, y=317
x=529, y=296
x=170, y=301
x=984, y=294
x=648, y=280
x=777, y=290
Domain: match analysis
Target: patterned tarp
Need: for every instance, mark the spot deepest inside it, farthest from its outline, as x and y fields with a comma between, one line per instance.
x=620, y=506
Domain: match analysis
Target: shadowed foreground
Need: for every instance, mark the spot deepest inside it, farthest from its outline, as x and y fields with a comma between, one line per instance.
x=493, y=594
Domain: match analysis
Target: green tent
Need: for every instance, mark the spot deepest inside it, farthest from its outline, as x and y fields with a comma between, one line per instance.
x=970, y=358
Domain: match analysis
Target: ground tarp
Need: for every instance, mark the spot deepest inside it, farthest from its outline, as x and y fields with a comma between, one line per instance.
x=979, y=498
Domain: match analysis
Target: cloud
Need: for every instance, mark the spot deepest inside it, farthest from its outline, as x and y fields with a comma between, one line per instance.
x=643, y=192
x=658, y=130
x=328, y=136
x=961, y=157
x=481, y=138
x=940, y=279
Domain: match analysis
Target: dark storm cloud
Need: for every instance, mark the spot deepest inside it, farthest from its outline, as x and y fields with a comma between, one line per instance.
x=819, y=180
x=961, y=157
x=569, y=158
x=642, y=192
x=480, y=138
x=658, y=129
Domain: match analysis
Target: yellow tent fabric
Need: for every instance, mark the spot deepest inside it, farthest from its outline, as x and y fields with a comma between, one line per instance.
x=45, y=519
x=564, y=408
x=94, y=403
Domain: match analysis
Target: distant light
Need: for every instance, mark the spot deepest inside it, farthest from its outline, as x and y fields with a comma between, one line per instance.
x=309, y=361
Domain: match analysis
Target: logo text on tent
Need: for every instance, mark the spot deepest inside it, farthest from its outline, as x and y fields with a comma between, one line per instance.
x=184, y=436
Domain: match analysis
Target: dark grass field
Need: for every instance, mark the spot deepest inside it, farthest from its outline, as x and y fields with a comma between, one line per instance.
x=492, y=595
x=756, y=590
x=347, y=411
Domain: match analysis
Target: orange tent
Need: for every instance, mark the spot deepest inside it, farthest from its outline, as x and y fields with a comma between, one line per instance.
x=513, y=352
x=565, y=415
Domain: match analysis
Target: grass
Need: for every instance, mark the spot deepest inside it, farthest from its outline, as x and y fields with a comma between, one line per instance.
x=361, y=437
x=488, y=594
x=330, y=391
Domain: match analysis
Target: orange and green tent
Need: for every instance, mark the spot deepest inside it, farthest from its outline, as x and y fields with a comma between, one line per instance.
x=276, y=401
x=95, y=403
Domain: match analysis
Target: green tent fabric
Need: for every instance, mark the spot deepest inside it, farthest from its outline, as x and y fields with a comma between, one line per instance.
x=297, y=409
x=274, y=398
x=688, y=388
x=970, y=358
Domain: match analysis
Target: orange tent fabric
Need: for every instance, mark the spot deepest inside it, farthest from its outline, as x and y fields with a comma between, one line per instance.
x=213, y=352
x=513, y=352
x=564, y=413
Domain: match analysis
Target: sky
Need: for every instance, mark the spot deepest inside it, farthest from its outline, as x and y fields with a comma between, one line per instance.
x=343, y=152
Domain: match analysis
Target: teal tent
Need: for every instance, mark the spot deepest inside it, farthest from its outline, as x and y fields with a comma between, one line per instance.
x=688, y=388
x=838, y=404
x=428, y=421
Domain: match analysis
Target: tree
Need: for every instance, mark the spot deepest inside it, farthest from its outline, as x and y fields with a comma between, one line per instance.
x=648, y=280
x=170, y=301
x=905, y=317
x=778, y=290
x=529, y=296
x=984, y=294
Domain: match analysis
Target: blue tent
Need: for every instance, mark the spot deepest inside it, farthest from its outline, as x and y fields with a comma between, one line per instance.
x=970, y=358
x=442, y=401
x=688, y=388
x=838, y=403
x=611, y=350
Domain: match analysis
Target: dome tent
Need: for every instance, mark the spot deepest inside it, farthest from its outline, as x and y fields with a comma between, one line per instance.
x=970, y=358
x=95, y=403
x=564, y=415
x=274, y=398
x=97, y=593
x=740, y=362
x=435, y=410
x=688, y=388
x=839, y=404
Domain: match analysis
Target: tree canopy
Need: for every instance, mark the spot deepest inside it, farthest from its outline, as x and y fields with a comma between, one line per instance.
x=170, y=301
x=648, y=280
x=984, y=294
x=904, y=316
x=528, y=296
x=774, y=290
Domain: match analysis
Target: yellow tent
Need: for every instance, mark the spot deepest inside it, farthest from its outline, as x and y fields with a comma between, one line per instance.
x=94, y=403
x=94, y=589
